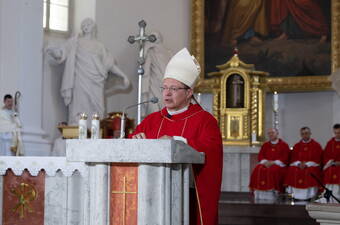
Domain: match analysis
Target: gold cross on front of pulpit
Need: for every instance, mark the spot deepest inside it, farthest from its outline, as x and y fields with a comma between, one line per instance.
x=124, y=193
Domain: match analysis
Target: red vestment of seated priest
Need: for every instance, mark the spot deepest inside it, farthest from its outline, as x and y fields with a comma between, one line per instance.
x=309, y=153
x=270, y=178
x=331, y=173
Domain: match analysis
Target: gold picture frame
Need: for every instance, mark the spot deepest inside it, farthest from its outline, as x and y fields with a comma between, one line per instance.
x=280, y=84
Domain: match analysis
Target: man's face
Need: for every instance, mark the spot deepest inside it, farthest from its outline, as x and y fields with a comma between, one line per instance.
x=8, y=102
x=337, y=133
x=305, y=134
x=272, y=134
x=175, y=95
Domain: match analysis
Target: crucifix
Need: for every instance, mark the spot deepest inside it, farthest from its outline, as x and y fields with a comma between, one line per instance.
x=141, y=38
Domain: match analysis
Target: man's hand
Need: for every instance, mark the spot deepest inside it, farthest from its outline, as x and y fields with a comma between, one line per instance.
x=139, y=136
x=337, y=163
x=54, y=52
x=268, y=164
x=302, y=165
x=166, y=137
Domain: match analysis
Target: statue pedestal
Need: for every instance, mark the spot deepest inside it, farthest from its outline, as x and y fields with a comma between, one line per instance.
x=238, y=163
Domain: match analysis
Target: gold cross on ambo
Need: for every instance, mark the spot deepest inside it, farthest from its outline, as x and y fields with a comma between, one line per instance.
x=124, y=193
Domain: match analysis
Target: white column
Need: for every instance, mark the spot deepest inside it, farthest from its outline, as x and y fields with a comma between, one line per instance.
x=21, y=66
x=98, y=192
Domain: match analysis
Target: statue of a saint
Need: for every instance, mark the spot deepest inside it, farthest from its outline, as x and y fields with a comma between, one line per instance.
x=235, y=87
x=87, y=65
x=156, y=59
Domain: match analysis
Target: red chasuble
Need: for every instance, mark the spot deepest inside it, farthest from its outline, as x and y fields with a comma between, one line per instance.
x=304, y=152
x=203, y=134
x=331, y=173
x=271, y=178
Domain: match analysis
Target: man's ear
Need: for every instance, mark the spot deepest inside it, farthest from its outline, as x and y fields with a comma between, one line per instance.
x=190, y=93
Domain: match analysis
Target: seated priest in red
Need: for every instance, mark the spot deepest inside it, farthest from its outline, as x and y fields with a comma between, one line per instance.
x=331, y=160
x=182, y=120
x=267, y=178
x=305, y=161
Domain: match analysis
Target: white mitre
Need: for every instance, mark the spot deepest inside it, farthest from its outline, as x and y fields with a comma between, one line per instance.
x=183, y=67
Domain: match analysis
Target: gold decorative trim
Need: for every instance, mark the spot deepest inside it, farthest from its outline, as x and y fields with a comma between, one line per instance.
x=281, y=84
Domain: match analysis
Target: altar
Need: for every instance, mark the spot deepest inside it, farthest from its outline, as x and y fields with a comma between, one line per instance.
x=99, y=182
x=238, y=163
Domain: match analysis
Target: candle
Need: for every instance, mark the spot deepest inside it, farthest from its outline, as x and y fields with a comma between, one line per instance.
x=199, y=98
x=95, y=126
x=275, y=102
x=83, y=126
x=253, y=137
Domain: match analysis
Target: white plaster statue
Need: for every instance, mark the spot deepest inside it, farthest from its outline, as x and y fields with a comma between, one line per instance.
x=10, y=130
x=87, y=66
x=156, y=59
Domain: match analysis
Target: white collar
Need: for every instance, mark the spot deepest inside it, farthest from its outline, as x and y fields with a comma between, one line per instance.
x=178, y=111
x=337, y=139
x=275, y=142
x=309, y=140
x=7, y=110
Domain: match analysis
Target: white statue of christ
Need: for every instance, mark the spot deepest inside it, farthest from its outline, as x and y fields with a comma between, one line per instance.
x=87, y=65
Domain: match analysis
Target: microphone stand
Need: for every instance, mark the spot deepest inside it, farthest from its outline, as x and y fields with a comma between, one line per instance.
x=328, y=193
x=122, y=121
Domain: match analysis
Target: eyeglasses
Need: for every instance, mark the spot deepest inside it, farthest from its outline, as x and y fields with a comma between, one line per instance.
x=172, y=89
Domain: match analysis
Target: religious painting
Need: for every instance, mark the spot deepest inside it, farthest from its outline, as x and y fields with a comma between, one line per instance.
x=295, y=41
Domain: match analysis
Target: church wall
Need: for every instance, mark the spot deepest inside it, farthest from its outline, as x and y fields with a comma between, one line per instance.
x=316, y=110
x=9, y=37
x=118, y=19
x=21, y=67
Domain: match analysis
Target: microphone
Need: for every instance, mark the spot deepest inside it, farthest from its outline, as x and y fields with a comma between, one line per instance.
x=328, y=193
x=169, y=116
x=153, y=100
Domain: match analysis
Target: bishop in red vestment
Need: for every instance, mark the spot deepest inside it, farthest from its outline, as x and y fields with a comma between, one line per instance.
x=267, y=178
x=182, y=120
x=305, y=161
x=331, y=160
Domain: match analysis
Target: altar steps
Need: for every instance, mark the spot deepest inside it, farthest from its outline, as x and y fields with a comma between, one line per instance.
x=239, y=208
